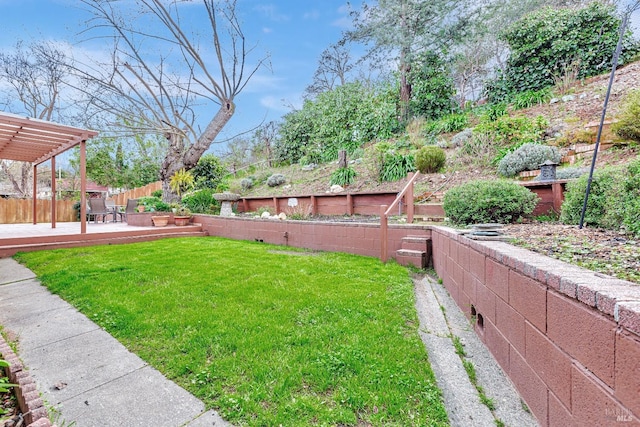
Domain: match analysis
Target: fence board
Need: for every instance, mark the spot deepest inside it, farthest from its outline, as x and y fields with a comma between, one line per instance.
x=17, y=211
x=121, y=199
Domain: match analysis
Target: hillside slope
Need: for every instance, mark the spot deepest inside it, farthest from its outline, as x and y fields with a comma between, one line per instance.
x=570, y=111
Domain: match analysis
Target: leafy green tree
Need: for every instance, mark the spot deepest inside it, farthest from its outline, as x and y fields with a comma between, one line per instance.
x=550, y=44
x=433, y=90
x=209, y=172
x=344, y=118
x=404, y=28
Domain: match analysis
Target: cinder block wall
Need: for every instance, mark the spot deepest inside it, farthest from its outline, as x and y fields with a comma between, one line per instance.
x=355, y=238
x=568, y=338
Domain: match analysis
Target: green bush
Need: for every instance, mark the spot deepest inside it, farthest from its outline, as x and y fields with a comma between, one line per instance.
x=488, y=201
x=200, y=201
x=632, y=198
x=153, y=204
x=246, y=183
x=276, y=179
x=396, y=166
x=453, y=122
x=605, y=207
x=505, y=131
x=430, y=159
x=628, y=124
x=543, y=46
x=527, y=157
x=530, y=98
x=342, y=176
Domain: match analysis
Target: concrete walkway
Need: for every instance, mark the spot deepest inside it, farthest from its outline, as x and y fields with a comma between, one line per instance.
x=440, y=320
x=84, y=372
x=93, y=380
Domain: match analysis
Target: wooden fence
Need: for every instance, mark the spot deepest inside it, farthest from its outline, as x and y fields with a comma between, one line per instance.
x=15, y=211
x=121, y=199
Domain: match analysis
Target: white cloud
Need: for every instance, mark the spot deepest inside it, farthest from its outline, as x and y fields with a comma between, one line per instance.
x=271, y=12
x=282, y=104
x=267, y=30
x=311, y=15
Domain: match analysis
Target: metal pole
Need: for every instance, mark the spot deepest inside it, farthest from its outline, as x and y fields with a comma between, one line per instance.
x=616, y=55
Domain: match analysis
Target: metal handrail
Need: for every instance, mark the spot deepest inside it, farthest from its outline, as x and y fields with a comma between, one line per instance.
x=385, y=210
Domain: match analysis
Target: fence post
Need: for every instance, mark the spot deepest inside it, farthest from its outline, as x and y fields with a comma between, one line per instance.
x=383, y=233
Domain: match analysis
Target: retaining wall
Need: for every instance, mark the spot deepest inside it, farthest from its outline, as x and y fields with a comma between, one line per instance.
x=568, y=338
x=355, y=238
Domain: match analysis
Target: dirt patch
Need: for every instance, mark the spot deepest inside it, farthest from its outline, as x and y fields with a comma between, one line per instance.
x=609, y=252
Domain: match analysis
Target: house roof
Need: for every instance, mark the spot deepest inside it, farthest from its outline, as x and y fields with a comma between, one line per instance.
x=32, y=140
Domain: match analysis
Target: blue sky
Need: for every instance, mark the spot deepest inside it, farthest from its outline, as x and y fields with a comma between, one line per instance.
x=293, y=32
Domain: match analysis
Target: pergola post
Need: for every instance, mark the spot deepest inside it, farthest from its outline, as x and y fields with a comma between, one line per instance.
x=34, y=208
x=83, y=186
x=53, y=192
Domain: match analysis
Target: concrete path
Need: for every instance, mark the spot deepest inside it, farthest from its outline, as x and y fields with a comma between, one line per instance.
x=440, y=319
x=84, y=372
x=93, y=380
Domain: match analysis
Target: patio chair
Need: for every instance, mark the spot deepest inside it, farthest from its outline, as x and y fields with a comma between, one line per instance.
x=98, y=209
x=130, y=208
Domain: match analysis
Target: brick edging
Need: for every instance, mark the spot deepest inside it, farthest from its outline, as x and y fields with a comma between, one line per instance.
x=29, y=400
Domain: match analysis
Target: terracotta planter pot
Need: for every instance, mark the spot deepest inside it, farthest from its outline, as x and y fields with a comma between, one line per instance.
x=181, y=220
x=160, y=220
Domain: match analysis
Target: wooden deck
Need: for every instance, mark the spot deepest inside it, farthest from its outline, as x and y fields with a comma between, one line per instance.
x=29, y=237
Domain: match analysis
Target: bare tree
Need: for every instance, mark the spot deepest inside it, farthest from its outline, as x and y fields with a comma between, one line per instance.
x=333, y=67
x=161, y=71
x=33, y=75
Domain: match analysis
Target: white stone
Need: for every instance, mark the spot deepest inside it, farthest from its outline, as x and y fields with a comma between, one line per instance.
x=265, y=214
x=282, y=216
x=336, y=189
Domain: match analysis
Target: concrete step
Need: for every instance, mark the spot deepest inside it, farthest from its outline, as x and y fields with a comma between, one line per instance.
x=412, y=257
x=417, y=243
x=9, y=247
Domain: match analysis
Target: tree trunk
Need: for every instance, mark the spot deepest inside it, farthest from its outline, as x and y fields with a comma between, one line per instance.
x=342, y=158
x=180, y=156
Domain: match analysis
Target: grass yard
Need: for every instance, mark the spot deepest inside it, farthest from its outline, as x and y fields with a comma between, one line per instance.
x=267, y=335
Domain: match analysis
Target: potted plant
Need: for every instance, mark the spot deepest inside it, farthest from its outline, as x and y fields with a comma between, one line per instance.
x=182, y=216
x=155, y=204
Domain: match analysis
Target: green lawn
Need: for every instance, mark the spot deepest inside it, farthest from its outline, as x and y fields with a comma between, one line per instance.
x=267, y=335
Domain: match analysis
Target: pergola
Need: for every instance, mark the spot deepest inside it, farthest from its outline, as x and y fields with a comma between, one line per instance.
x=36, y=141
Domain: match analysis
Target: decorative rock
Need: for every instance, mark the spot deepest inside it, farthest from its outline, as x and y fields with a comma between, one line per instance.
x=282, y=216
x=309, y=167
x=553, y=100
x=336, y=189
x=568, y=98
x=265, y=215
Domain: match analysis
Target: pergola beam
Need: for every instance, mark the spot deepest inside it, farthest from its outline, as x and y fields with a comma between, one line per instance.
x=36, y=141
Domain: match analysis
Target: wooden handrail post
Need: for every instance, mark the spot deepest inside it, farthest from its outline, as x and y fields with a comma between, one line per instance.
x=383, y=233
x=408, y=199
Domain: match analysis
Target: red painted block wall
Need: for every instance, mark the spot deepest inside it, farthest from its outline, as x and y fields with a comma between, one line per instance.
x=568, y=338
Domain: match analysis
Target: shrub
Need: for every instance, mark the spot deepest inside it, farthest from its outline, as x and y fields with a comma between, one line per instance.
x=157, y=193
x=488, y=201
x=605, y=204
x=430, y=159
x=342, y=176
x=527, y=157
x=153, y=204
x=460, y=139
x=276, y=179
x=530, y=98
x=628, y=124
x=506, y=131
x=632, y=198
x=396, y=166
x=567, y=173
x=201, y=201
x=246, y=183
x=453, y=122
